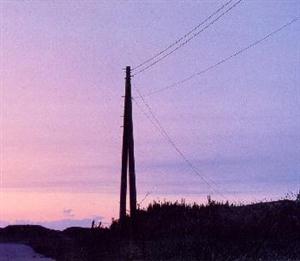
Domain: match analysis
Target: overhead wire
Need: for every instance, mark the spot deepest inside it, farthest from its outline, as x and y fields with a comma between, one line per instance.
x=186, y=41
x=182, y=37
x=156, y=123
x=153, y=119
x=253, y=44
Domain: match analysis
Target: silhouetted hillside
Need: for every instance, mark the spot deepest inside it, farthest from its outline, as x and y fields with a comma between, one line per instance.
x=177, y=231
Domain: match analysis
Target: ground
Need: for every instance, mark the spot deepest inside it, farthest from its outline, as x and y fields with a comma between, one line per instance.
x=177, y=231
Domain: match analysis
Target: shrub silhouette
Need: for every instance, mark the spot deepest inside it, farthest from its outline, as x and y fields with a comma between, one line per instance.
x=166, y=230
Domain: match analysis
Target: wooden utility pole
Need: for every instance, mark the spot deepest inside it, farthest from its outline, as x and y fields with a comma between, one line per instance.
x=128, y=153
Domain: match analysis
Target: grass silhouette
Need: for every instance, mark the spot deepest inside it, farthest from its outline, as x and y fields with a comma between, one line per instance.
x=178, y=231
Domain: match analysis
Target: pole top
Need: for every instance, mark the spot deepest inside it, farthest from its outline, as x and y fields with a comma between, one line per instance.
x=128, y=69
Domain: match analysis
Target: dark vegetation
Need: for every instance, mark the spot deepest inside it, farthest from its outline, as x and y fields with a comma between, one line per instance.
x=178, y=231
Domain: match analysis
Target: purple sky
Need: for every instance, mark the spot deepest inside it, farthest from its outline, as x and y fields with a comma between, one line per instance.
x=61, y=88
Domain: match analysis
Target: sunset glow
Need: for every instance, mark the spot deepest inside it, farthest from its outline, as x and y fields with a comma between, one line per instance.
x=61, y=100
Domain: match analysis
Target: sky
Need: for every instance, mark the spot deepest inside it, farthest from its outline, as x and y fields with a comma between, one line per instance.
x=62, y=82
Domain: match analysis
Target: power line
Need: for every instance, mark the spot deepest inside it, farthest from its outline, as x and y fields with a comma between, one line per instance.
x=162, y=131
x=225, y=59
x=156, y=123
x=186, y=41
x=182, y=37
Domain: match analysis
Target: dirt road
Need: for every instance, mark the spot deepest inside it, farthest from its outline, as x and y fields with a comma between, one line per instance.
x=18, y=252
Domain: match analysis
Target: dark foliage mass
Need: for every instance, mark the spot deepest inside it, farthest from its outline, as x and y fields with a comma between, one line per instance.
x=177, y=231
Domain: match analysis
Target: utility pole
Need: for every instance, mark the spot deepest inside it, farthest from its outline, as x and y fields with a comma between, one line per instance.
x=127, y=153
